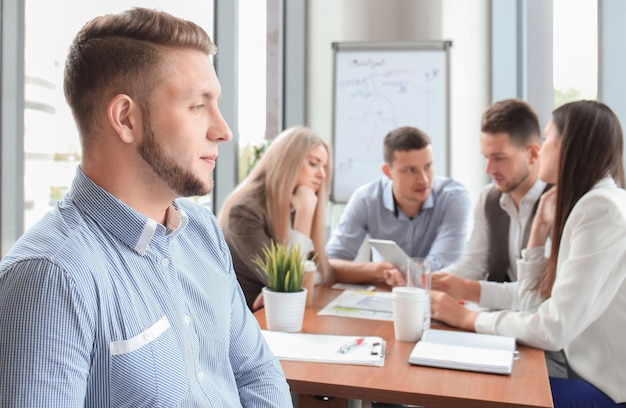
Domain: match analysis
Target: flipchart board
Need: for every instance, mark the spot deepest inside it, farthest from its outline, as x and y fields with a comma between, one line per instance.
x=381, y=86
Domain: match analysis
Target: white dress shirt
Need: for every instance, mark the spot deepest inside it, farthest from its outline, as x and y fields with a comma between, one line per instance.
x=474, y=262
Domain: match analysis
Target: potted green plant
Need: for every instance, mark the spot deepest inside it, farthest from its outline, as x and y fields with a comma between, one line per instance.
x=284, y=297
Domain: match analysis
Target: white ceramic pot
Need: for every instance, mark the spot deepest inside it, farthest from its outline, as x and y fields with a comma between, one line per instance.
x=284, y=311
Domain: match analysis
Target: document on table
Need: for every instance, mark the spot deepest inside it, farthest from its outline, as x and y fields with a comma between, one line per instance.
x=325, y=348
x=361, y=304
x=465, y=351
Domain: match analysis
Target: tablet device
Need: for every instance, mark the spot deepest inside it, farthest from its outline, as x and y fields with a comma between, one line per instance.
x=390, y=252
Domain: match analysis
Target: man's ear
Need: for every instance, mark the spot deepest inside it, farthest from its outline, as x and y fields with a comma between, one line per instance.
x=533, y=152
x=387, y=170
x=124, y=116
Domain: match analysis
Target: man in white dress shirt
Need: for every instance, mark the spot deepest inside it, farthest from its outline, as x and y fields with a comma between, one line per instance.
x=487, y=271
x=510, y=141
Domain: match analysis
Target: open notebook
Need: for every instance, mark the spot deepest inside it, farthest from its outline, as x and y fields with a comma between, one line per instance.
x=324, y=348
x=465, y=351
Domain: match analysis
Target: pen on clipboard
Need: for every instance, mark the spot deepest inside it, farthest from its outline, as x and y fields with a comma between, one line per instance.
x=350, y=345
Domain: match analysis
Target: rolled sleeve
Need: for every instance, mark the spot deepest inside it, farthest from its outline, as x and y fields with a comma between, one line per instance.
x=529, y=270
x=449, y=242
x=486, y=322
x=306, y=244
x=473, y=263
x=498, y=295
x=352, y=229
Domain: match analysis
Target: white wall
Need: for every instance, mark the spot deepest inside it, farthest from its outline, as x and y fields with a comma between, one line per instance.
x=465, y=23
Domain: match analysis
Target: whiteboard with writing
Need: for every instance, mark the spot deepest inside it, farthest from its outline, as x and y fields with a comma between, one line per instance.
x=379, y=87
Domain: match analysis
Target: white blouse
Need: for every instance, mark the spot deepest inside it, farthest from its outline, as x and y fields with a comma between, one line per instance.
x=586, y=315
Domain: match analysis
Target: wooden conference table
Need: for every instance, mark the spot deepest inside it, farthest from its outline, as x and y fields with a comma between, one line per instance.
x=400, y=383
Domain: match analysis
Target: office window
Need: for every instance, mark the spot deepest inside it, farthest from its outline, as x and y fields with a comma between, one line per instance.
x=575, y=45
x=51, y=145
x=252, y=79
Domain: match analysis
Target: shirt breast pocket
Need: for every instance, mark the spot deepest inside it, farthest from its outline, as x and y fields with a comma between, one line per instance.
x=148, y=370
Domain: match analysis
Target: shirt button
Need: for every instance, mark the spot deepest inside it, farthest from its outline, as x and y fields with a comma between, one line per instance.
x=165, y=262
x=187, y=320
x=200, y=375
x=147, y=335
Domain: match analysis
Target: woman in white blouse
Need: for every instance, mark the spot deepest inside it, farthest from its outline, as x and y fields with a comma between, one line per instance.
x=579, y=292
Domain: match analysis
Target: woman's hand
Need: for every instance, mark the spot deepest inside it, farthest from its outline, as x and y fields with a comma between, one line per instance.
x=304, y=201
x=544, y=219
x=457, y=287
x=258, y=302
x=448, y=310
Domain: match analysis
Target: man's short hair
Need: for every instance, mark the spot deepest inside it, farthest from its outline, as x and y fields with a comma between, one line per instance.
x=514, y=117
x=123, y=54
x=403, y=139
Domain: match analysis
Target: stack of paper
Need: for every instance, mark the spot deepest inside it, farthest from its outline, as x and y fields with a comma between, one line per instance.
x=465, y=351
x=364, y=300
x=324, y=348
x=360, y=304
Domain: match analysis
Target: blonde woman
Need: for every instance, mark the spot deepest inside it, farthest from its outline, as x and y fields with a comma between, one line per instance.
x=282, y=199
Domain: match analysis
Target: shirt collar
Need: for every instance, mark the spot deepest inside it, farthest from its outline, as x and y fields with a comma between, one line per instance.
x=389, y=201
x=125, y=223
x=607, y=181
x=532, y=195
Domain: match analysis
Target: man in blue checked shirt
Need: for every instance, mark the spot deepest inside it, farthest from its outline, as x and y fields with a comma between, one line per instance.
x=124, y=294
x=425, y=215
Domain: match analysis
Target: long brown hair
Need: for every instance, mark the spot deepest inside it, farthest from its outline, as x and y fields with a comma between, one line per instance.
x=275, y=177
x=591, y=149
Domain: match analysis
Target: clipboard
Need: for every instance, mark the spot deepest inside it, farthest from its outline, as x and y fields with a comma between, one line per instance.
x=324, y=348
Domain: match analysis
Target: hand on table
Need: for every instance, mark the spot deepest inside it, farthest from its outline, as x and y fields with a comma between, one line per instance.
x=258, y=302
x=391, y=275
x=445, y=308
x=455, y=286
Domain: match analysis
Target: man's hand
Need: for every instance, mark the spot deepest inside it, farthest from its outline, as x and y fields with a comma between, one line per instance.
x=392, y=276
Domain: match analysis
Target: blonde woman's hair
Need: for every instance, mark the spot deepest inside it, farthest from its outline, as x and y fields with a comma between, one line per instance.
x=274, y=177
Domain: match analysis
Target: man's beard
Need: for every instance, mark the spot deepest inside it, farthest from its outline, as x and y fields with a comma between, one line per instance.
x=178, y=179
x=514, y=185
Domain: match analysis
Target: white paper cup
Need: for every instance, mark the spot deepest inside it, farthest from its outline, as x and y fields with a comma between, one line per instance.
x=308, y=281
x=408, y=312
